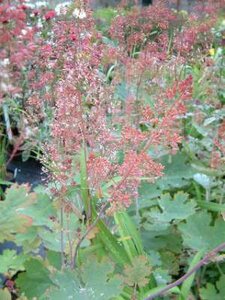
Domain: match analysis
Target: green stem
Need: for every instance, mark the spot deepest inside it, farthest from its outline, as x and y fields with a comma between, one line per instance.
x=84, y=183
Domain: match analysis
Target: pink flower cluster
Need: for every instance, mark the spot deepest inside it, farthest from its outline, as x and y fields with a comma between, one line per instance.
x=17, y=47
x=87, y=117
x=122, y=121
x=116, y=134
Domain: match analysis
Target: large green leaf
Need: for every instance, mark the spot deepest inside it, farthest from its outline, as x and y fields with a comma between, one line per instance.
x=41, y=211
x=35, y=281
x=29, y=240
x=168, y=239
x=54, y=259
x=147, y=192
x=20, y=210
x=11, y=263
x=176, y=173
x=13, y=220
x=211, y=293
x=96, y=283
x=170, y=209
x=66, y=286
x=199, y=233
x=95, y=274
x=52, y=239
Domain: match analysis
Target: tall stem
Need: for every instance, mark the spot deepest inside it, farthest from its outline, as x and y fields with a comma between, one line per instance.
x=84, y=183
x=62, y=235
x=101, y=213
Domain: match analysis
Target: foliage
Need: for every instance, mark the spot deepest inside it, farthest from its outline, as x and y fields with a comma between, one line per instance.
x=170, y=210
x=96, y=283
x=13, y=220
x=35, y=280
x=198, y=234
x=210, y=292
x=11, y=262
x=138, y=273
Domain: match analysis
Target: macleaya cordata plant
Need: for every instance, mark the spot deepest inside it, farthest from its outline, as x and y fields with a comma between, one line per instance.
x=102, y=146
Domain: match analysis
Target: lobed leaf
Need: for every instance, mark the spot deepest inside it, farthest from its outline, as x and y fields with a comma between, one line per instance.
x=200, y=234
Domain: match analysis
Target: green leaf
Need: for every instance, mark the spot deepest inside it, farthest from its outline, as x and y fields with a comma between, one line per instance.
x=169, y=262
x=176, y=171
x=54, y=259
x=95, y=274
x=97, y=283
x=29, y=240
x=35, y=281
x=210, y=292
x=115, y=250
x=138, y=273
x=4, y=182
x=147, y=192
x=129, y=234
x=11, y=262
x=66, y=286
x=22, y=209
x=168, y=239
x=12, y=218
x=41, y=210
x=202, y=130
x=198, y=232
x=212, y=206
x=161, y=276
x=186, y=286
x=176, y=174
x=178, y=208
x=154, y=258
x=51, y=239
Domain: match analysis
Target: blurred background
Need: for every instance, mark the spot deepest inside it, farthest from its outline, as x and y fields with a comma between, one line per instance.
x=176, y=4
